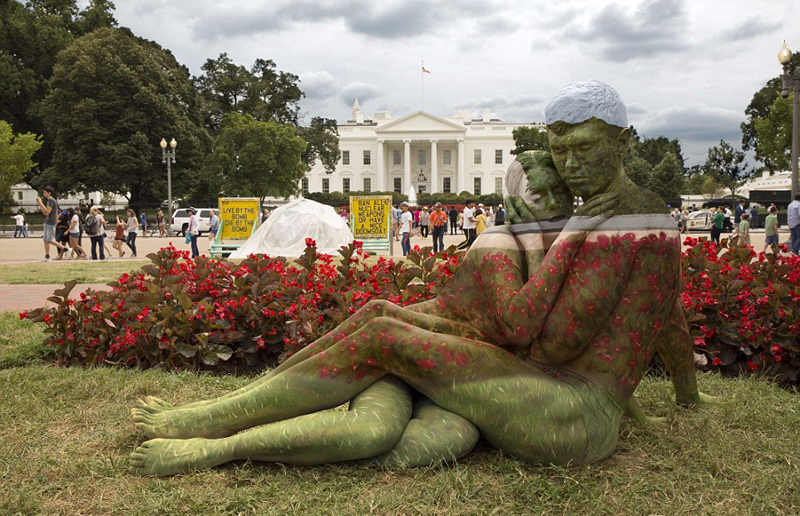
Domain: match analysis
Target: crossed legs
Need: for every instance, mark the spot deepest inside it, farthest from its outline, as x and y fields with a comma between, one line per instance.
x=517, y=408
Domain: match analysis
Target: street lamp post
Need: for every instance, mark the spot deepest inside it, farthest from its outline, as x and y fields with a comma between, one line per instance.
x=168, y=157
x=793, y=81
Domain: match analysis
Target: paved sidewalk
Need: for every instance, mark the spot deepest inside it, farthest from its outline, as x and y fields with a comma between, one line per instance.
x=27, y=297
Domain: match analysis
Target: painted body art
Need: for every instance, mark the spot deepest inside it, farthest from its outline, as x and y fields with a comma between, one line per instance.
x=537, y=346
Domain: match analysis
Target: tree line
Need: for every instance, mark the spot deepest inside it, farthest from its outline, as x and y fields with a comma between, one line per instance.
x=98, y=99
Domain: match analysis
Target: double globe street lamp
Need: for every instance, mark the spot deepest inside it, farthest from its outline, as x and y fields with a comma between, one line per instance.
x=793, y=82
x=168, y=157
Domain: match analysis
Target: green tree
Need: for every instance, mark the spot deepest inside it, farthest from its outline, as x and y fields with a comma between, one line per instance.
x=710, y=188
x=760, y=108
x=31, y=36
x=16, y=158
x=253, y=158
x=113, y=97
x=667, y=177
x=529, y=138
x=727, y=166
x=774, y=135
x=322, y=136
x=261, y=92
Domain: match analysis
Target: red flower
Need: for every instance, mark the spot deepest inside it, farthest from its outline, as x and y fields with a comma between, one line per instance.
x=47, y=319
x=752, y=366
x=310, y=242
x=716, y=362
x=427, y=363
x=23, y=315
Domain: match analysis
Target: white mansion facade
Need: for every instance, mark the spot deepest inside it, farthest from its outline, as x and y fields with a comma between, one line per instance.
x=419, y=153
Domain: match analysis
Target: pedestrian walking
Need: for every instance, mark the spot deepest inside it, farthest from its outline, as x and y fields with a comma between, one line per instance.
x=771, y=232
x=193, y=231
x=793, y=221
x=424, y=222
x=717, y=222
x=685, y=220
x=754, y=217
x=406, y=221
x=439, y=223
x=480, y=222
x=500, y=216
x=49, y=208
x=737, y=217
x=133, y=230
x=19, y=225
x=453, y=215
x=95, y=230
x=74, y=232
x=468, y=223
x=119, y=236
x=162, y=226
x=743, y=230
x=213, y=229
x=143, y=222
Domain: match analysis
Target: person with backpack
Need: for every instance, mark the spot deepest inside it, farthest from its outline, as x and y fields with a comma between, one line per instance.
x=95, y=229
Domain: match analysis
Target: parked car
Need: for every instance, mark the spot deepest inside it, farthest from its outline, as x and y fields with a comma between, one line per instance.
x=180, y=220
x=701, y=221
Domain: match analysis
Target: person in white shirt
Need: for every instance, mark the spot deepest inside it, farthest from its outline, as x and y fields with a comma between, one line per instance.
x=133, y=229
x=468, y=224
x=193, y=231
x=75, y=233
x=405, y=222
x=19, y=225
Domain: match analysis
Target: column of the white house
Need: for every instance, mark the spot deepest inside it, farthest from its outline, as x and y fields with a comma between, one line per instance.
x=407, y=166
x=460, y=169
x=380, y=179
x=434, y=168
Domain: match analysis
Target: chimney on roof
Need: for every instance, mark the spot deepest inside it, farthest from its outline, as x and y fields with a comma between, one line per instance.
x=486, y=115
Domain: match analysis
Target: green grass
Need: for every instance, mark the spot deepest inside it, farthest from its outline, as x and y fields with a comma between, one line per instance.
x=65, y=436
x=58, y=273
x=20, y=341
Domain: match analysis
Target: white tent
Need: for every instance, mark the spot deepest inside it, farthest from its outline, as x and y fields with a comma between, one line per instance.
x=285, y=231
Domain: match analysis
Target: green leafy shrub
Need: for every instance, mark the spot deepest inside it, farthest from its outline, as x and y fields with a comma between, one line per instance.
x=178, y=313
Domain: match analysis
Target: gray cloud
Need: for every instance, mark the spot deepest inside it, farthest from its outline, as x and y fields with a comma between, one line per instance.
x=359, y=90
x=655, y=27
x=525, y=107
x=318, y=85
x=384, y=20
x=697, y=126
x=751, y=27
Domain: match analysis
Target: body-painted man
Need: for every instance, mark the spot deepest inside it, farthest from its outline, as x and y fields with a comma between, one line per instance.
x=589, y=315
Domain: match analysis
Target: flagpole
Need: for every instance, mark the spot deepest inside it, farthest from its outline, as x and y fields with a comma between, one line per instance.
x=422, y=83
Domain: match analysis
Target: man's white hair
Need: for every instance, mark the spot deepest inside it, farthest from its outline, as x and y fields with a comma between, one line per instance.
x=582, y=100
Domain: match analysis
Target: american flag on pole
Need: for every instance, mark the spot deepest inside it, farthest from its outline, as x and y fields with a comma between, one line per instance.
x=425, y=70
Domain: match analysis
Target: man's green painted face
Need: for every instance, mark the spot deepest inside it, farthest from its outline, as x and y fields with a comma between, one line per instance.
x=548, y=196
x=588, y=157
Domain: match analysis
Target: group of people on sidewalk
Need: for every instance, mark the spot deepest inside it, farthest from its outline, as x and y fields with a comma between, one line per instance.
x=472, y=221
x=64, y=230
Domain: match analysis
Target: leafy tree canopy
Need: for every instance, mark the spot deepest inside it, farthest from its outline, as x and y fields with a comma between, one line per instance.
x=16, y=157
x=761, y=108
x=728, y=166
x=113, y=97
x=774, y=135
x=322, y=136
x=254, y=158
x=31, y=36
x=529, y=138
x=262, y=92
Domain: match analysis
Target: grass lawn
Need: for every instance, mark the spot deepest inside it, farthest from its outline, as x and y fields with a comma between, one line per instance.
x=65, y=436
x=59, y=272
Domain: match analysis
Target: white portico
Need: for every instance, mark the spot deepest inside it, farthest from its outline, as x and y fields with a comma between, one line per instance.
x=420, y=152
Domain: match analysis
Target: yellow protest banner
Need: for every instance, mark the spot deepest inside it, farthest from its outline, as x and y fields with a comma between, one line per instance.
x=238, y=216
x=369, y=216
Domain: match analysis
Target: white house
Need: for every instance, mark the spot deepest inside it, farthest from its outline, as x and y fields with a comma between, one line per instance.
x=25, y=197
x=419, y=153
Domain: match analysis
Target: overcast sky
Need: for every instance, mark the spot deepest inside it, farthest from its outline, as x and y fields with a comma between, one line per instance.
x=686, y=69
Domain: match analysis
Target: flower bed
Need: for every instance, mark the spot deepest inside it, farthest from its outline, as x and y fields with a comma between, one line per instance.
x=743, y=308
x=215, y=314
